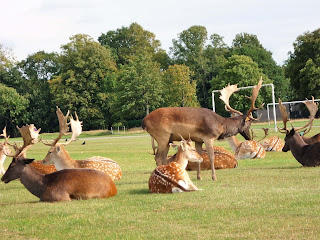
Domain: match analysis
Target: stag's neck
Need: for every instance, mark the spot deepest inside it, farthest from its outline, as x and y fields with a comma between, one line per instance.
x=234, y=143
x=64, y=161
x=2, y=157
x=297, y=147
x=231, y=126
x=181, y=159
x=32, y=180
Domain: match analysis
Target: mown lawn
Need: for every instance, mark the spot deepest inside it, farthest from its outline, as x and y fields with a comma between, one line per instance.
x=271, y=198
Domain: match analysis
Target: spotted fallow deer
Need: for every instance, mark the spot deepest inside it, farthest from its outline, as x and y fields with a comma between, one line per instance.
x=58, y=186
x=204, y=125
x=249, y=149
x=62, y=160
x=308, y=155
x=273, y=143
x=223, y=159
x=173, y=177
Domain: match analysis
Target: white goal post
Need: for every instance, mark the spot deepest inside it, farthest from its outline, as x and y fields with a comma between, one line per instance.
x=273, y=102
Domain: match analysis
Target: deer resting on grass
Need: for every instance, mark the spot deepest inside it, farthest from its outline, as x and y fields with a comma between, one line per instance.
x=204, y=125
x=58, y=186
x=62, y=160
x=173, y=177
x=307, y=155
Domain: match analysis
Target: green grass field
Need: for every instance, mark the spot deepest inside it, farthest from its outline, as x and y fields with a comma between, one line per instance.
x=271, y=198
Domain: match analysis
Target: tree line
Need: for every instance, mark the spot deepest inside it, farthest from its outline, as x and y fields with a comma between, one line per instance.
x=125, y=74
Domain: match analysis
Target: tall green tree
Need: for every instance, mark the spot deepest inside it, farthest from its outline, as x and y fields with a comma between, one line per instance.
x=189, y=49
x=127, y=43
x=37, y=70
x=302, y=66
x=179, y=88
x=12, y=108
x=241, y=70
x=138, y=89
x=249, y=45
x=87, y=69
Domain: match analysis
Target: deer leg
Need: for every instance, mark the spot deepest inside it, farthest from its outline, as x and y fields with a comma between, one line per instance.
x=162, y=152
x=199, y=150
x=210, y=150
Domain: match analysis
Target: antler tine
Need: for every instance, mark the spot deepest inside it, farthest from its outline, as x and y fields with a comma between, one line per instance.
x=29, y=135
x=253, y=98
x=225, y=95
x=266, y=132
x=76, y=127
x=313, y=108
x=284, y=116
x=181, y=137
x=4, y=134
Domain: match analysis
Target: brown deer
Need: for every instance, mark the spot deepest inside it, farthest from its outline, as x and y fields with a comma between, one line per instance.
x=204, y=125
x=62, y=160
x=58, y=186
x=223, y=159
x=273, y=143
x=307, y=155
x=173, y=177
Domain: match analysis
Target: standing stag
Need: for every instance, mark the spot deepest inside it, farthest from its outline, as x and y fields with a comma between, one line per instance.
x=58, y=186
x=173, y=177
x=204, y=125
x=306, y=154
x=62, y=160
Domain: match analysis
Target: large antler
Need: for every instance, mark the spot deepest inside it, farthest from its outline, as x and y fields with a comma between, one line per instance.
x=284, y=117
x=253, y=99
x=225, y=95
x=76, y=127
x=4, y=134
x=29, y=135
x=313, y=108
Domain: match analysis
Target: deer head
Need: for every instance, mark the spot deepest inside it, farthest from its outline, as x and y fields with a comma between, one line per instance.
x=225, y=95
x=76, y=127
x=312, y=107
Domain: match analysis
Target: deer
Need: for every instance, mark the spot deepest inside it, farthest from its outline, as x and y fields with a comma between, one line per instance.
x=248, y=149
x=273, y=143
x=59, y=186
x=4, y=147
x=223, y=159
x=308, y=155
x=61, y=159
x=173, y=177
x=204, y=125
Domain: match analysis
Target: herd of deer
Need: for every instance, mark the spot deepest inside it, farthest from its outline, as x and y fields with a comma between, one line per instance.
x=58, y=177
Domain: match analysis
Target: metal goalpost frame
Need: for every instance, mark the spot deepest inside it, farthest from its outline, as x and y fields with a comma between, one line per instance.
x=273, y=102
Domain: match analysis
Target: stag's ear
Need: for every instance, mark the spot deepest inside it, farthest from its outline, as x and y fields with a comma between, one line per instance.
x=28, y=160
x=58, y=148
x=183, y=145
x=292, y=132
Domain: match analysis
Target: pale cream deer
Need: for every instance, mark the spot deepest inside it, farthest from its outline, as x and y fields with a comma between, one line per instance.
x=173, y=177
x=4, y=147
x=58, y=186
x=62, y=160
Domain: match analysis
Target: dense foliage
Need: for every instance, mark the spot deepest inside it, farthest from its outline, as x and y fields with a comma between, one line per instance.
x=124, y=75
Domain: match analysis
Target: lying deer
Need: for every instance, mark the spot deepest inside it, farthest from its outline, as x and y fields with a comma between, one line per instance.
x=173, y=177
x=307, y=155
x=58, y=186
x=223, y=159
x=273, y=144
x=204, y=125
x=62, y=160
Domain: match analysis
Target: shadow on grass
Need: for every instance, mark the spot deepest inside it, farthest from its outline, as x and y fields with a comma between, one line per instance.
x=141, y=191
x=20, y=203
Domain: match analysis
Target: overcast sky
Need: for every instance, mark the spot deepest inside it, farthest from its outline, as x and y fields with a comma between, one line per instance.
x=28, y=26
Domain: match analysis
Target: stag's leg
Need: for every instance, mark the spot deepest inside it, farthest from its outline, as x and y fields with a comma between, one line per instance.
x=199, y=150
x=162, y=152
x=210, y=150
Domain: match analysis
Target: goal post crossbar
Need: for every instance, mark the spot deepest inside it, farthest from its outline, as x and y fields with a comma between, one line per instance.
x=263, y=85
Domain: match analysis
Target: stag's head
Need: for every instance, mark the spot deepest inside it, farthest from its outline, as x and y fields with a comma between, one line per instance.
x=30, y=136
x=294, y=133
x=55, y=147
x=244, y=128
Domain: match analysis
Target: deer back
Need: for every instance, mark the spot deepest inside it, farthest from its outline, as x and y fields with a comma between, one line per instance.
x=273, y=143
x=43, y=168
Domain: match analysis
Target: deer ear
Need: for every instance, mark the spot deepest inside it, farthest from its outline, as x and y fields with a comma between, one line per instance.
x=58, y=148
x=292, y=132
x=183, y=145
x=247, y=119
